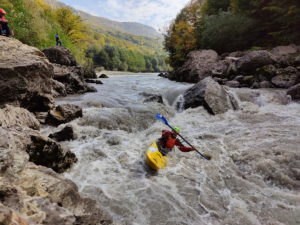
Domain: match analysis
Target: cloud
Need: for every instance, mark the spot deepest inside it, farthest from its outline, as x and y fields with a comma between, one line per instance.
x=156, y=13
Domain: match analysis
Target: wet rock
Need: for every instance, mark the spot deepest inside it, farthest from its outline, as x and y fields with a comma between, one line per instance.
x=60, y=55
x=63, y=114
x=255, y=59
x=46, y=152
x=103, y=76
x=93, y=81
x=294, y=92
x=25, y=74
x=209, y=94
x=233, y=84
x=89, y=73
x=66, y=134
x=286, y=78
x=198, y=66
x=153, y=98
x=11, y=116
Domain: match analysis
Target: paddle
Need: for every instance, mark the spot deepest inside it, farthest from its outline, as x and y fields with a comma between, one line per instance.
x=165, y=121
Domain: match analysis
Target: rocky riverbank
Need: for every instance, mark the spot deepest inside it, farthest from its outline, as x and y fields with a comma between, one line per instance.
x=277, y=68
x=31, y=189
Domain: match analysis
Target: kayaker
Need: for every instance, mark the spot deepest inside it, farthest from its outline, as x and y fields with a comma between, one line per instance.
x=168, y=140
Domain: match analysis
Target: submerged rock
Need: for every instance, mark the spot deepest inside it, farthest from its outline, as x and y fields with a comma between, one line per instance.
x=103, y=76
x=212, y=96
x=66, y=134
x=153, y=98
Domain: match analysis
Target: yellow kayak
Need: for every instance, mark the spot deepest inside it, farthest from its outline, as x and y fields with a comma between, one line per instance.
x=154, y=158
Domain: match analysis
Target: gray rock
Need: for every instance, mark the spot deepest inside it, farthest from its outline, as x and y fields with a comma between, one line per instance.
x=60, y=55
x=286, y=77
x=198, y=66
x=63, y=114
x=255, y=59
x=209, y=94
x=294, y=92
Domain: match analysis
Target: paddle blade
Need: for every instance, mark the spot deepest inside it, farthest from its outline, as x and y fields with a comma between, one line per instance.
x=161, y=118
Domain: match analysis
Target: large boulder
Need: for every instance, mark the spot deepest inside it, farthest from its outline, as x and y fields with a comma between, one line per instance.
x=63, y=114
x=46, y=152
x=25, y=75
x=253, y=60
x=198, y=66
x=294, y=92
x=215, y=98
x=60, y=55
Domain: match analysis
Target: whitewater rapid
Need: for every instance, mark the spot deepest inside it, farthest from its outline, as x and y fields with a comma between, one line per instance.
x=253, y=177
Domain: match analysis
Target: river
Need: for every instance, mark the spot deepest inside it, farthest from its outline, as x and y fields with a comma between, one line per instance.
x=253, y=177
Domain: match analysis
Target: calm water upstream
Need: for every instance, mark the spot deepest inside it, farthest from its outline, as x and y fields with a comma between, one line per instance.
x=253, y=178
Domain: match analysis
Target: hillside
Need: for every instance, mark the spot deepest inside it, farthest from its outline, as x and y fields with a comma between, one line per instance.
x=35, y=22
x=107, y=25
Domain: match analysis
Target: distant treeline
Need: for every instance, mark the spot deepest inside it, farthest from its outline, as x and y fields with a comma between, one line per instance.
x=35, y=23
x=231, y=25
x=122, y=59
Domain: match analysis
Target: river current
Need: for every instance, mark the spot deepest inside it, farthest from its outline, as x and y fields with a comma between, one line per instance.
x=253, y=177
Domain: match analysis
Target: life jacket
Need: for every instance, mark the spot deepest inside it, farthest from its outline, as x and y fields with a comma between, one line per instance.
x=170, y=142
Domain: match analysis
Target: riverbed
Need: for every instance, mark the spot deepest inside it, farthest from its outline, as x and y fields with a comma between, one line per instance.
x=253, y=177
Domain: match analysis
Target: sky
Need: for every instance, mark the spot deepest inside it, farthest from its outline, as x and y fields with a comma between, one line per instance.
x=156, y=13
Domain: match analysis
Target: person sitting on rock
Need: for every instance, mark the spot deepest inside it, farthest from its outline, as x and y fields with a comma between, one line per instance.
x=57, y=38
x=168, y=140
x=4, y=28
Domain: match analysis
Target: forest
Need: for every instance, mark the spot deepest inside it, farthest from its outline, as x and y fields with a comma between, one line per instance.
x=232, y=25
x=35, y=23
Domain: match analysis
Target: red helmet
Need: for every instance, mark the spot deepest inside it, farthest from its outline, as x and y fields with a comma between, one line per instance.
x=2, y=11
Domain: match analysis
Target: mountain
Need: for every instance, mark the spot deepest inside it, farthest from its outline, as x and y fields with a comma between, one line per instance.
x=109, y=26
